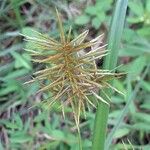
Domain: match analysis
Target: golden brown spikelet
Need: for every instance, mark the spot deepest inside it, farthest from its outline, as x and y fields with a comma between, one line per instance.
x=72, y=78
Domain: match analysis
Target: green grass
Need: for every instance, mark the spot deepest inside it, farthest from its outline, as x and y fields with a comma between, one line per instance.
x=125, y=110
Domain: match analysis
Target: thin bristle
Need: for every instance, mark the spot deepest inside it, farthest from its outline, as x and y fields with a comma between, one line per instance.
x=69, y=35
x=62, y=34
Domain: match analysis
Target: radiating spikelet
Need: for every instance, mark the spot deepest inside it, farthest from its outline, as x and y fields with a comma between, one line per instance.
x=72, y=78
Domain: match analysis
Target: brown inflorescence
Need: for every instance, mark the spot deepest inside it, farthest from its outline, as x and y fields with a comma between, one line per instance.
x=72, y=77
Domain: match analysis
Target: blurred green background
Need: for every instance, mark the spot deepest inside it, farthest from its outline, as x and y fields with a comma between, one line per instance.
x=23, y=126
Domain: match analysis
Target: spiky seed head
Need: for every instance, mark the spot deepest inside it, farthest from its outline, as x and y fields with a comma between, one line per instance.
x=72, y=77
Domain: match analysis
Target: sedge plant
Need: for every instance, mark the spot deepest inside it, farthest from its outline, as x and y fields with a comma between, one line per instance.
x=71, y=77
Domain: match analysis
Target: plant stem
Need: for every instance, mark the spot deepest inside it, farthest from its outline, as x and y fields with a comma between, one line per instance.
x=100, y=124
x=109, y=63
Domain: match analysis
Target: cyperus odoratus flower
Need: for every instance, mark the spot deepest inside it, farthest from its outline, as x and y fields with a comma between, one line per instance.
x=72, y=77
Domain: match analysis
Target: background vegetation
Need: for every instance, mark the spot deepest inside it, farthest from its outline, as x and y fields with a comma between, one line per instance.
x=23, y=126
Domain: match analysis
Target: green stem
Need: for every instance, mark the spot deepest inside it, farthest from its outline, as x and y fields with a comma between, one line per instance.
x=109, y=63
x=100, y=126
x=79, y=139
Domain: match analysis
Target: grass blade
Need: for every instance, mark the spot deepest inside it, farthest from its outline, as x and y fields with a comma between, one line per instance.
x=115, y=34
x=125, y=110
x=109, y=63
